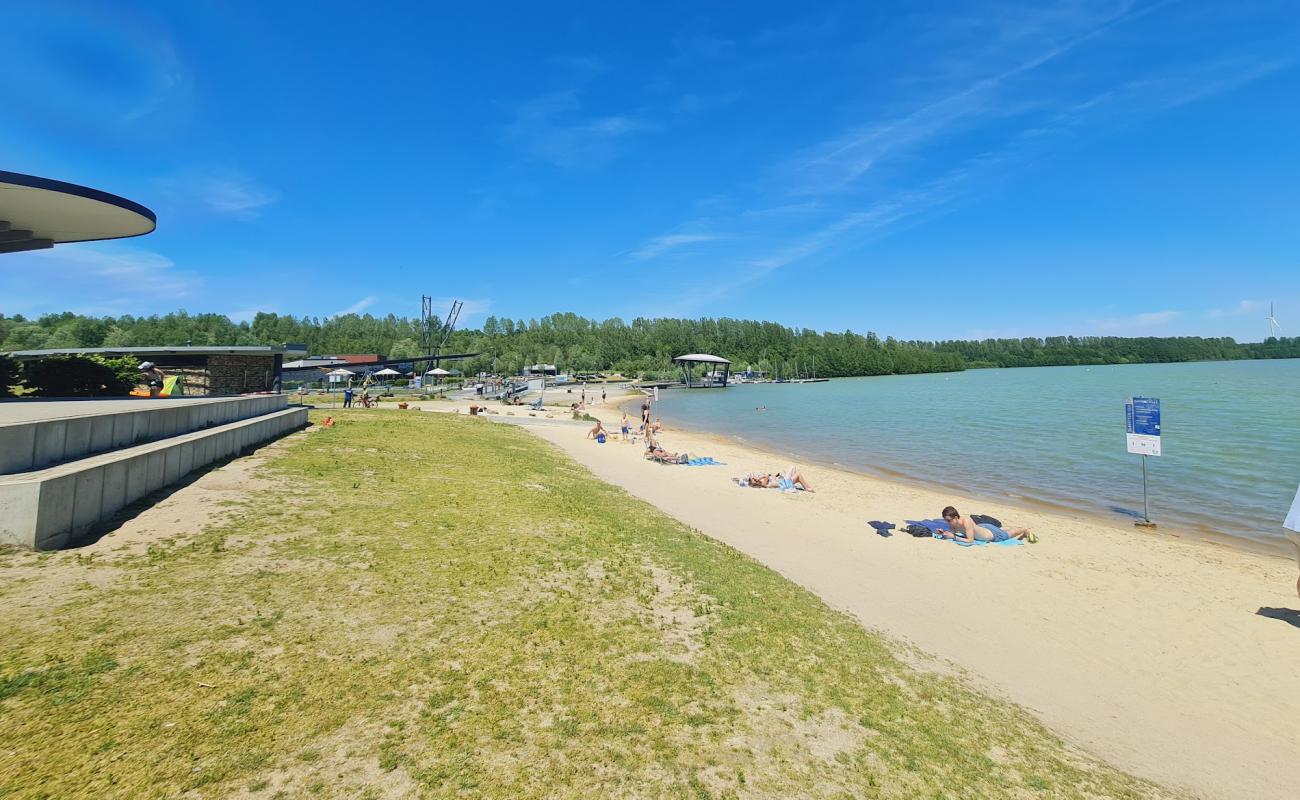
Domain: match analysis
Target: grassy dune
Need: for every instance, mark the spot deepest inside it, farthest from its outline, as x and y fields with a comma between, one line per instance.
x=429, y=605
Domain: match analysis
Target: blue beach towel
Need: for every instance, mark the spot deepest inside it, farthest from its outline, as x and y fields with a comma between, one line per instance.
x=959, y=543
x=705, y=461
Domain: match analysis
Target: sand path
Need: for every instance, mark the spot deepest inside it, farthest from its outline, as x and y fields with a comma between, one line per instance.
x=1143, y=648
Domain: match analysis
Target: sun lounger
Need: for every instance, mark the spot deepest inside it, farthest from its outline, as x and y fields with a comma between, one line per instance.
x=662, y=459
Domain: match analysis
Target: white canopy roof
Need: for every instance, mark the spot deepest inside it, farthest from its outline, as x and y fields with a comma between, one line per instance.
x=703, y=357
x=37, y=213
x=437, y=371
x=341, y=371
x=388, y=371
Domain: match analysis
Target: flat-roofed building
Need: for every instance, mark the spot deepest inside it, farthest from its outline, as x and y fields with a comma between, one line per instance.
x=211, y=371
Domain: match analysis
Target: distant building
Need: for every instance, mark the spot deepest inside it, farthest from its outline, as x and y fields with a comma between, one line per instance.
x=311, y=363
x=357, y=359
x=206, y=370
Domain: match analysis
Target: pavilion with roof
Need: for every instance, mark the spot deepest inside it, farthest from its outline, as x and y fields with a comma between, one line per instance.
x=716, y=371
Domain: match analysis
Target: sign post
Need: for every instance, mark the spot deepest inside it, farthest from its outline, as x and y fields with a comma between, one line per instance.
x=1142, y=424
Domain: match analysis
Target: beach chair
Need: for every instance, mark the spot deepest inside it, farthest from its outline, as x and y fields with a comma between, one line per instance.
x=681, y=458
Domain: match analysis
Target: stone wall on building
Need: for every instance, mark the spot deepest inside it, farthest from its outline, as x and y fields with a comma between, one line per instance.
x=239, y=374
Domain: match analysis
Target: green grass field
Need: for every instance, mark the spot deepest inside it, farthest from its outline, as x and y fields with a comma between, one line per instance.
x=433, y=605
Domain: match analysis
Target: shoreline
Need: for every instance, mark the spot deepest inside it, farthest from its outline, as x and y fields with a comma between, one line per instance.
x=1198, y=534
x=1156, y=656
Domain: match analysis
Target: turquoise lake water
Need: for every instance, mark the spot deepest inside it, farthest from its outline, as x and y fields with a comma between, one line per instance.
x=1231, y=435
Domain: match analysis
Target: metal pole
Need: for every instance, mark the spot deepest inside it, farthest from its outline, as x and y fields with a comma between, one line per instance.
x=1146, y=505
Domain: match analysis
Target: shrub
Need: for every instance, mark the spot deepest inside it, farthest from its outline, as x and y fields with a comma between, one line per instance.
x=8, y=374
x=80, y=376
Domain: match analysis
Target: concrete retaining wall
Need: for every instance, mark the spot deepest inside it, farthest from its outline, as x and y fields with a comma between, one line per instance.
x=34, y=445
x=51, y=508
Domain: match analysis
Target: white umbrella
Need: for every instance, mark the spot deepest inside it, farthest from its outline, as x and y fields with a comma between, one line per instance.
x=387, y=371
x=437, y=371
x=340, y=372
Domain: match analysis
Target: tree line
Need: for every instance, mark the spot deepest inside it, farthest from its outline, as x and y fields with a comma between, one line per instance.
x=642, y=347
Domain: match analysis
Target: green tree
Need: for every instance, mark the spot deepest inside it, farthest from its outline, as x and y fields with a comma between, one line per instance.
x=404, y=349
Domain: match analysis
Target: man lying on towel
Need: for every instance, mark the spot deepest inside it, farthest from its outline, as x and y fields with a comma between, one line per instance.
x=964, y=529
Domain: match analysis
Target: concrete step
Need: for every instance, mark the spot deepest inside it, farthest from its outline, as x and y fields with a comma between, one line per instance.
x=50, y=508
x=35, y=434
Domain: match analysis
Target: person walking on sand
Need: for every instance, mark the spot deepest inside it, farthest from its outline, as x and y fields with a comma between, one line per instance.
x=602, y=397
x=627, y=428
x=1292, y=528
x=645, y=412
x=966, y=530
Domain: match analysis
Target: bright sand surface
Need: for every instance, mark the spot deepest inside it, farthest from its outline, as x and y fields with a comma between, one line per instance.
x=1143, y=648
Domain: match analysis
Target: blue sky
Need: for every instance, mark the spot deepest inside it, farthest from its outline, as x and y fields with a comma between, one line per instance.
x=925, y=170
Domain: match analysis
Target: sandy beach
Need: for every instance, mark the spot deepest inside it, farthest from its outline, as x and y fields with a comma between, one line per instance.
x=1145, y=649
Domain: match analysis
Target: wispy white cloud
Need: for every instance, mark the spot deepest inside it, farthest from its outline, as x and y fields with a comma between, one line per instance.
x=996, y=111
x=359, y=306
x=556, y=129
x=582, y=63
x=473, y=308
x=120, y=269
x=692, y=103
x=692, y=45
x=1243, y=308
x=1145, y=322
x=673, y=241
x=94, y=277
x=227, y=192
x=841, y=160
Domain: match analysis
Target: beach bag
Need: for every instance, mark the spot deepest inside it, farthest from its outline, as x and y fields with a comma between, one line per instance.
x=917, y=530
x=600, y=439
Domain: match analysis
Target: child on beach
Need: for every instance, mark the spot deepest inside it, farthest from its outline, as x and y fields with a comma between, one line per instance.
x=627, y=432
x=966, y=530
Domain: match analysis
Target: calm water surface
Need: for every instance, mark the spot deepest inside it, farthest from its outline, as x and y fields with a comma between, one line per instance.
x=1231, y=435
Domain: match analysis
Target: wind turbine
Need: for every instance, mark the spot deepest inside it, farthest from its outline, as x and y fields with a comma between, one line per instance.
x=1273, y=326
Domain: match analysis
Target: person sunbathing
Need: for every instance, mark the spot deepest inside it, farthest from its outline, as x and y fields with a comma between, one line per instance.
x=654, y=451
x=792, y=474
x=964, y=529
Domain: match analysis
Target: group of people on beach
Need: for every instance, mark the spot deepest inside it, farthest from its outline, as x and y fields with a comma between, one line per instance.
x=959, y=527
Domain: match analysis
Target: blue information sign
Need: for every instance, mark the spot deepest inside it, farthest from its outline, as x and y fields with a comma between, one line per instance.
x=1144, y=416
x=1142, y=424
